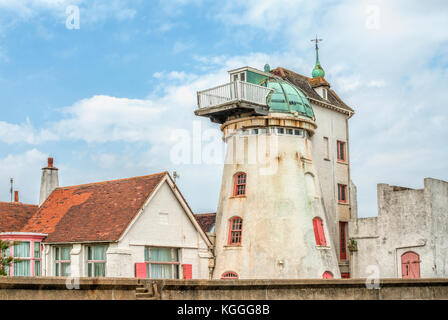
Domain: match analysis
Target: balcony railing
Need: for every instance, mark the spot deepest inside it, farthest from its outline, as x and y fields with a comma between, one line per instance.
x=233, y=92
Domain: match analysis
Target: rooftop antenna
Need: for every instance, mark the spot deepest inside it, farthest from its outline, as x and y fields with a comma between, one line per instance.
x=11, y=190
x=175, y=176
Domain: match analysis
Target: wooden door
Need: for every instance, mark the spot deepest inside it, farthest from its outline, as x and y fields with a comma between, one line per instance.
x=410, y=265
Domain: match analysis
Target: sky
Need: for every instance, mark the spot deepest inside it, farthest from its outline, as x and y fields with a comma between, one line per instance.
x=108, y=88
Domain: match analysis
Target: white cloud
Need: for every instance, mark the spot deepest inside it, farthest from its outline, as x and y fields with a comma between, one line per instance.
x=25, y=170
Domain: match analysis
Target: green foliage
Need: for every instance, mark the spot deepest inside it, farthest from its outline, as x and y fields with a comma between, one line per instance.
x=5, y=259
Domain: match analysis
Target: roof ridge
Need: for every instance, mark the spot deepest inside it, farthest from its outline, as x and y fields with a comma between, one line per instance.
x=113, y=180
x=19, y=203
x=203, y=214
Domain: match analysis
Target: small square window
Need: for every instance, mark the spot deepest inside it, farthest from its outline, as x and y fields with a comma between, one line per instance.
x=254, y=131
x=280, y=130
x=297, y=132
x=289, y=131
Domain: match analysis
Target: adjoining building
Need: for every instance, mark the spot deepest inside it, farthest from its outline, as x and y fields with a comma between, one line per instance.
x=140, y=226
x=408, y=238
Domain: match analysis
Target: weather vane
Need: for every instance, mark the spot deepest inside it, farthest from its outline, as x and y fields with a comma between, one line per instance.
x=317, y=41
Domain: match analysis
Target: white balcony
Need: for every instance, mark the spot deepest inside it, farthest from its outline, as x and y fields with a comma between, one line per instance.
x=233, y=93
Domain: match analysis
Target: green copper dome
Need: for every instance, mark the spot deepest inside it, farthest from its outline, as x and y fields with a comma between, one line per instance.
x=287, y=98
x=318, y=71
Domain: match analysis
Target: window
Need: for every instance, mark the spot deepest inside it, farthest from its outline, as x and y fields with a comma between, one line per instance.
x=254, y=131
x=96, y=261
x=324, y=93
x=280, y=130
x=297, y=132
x=289, y=131
x=162, y=263
x=240, y=184
x=229, y=275
x=342, y=193
x=410, y=265
x=37, y=258
x=21, y=250
x=327, y=275
x=62, y=261
x=319, y=234
x=343, y=240
x=341, y=151
x=235, y=230
x=326, y=149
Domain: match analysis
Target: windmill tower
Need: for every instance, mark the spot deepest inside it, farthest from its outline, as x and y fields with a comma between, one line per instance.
x=270, y=222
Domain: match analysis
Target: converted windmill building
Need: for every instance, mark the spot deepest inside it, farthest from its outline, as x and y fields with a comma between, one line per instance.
x=284, y=201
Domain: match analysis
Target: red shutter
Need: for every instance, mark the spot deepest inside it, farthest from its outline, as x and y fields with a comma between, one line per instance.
x=345, y=275
x=323, y=241
x=319, y=233
x=316, y=231
x=140, y=270
x=187, y=270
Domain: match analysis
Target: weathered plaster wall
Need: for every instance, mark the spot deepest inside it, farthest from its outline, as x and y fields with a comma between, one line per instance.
x=408, y=220
x=278, y=239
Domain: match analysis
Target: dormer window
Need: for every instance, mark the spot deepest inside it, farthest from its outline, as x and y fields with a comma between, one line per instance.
x=324, y=93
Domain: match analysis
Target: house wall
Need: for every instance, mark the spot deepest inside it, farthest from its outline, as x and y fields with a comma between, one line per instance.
x=332, y=125
x=408, y=220
x=163, y=223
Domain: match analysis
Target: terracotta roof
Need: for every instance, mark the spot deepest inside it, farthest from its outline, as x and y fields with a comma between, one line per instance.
x=206, y=220
x=307, y=84
x=13, y=215
x=92, y=212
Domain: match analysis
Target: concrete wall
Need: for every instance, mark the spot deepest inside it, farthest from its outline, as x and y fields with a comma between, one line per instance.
x=408, y=220
x=28, y=288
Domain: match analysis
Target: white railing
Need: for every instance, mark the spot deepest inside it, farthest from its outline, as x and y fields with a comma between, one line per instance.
x=233, y=92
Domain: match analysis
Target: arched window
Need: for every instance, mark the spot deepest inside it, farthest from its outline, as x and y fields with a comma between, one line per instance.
x=319, y=231
x=229, y=275
x=410, y=265
x=239, y=188
x=327, y=275
x=235, y=230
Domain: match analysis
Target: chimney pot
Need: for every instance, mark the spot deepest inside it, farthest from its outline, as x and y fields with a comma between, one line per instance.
x=50, y=162
x=16, y=196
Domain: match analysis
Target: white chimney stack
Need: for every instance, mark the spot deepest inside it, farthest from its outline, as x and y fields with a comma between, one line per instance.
x=49, y=181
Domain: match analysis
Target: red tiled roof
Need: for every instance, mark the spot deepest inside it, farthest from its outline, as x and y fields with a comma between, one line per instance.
x=206, y=220
x=92, y=212
x=13, y=215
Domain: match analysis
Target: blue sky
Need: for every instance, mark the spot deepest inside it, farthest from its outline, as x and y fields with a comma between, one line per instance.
x=105, y=99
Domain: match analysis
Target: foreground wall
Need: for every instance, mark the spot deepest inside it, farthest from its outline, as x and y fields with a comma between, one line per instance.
x=25, y=288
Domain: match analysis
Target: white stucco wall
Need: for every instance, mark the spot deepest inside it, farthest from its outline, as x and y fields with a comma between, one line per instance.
x=408, y=220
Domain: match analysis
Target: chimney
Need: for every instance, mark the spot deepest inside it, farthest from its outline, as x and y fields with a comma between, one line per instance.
x=16, y=196
x=49, y=181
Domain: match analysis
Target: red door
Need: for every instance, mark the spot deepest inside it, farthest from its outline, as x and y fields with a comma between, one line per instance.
x=410, y=265
x=343, y=240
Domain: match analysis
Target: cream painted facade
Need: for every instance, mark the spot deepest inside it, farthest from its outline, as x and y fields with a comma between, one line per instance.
x=165, y=221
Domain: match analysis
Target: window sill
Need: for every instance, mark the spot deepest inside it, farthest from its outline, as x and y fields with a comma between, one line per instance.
x=342, y=162
x=344, y=203
x=327, y=159
x=323, y=247
x=238, y=197
x=233, y=246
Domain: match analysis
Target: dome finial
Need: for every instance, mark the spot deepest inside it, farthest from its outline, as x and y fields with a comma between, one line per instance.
x=317, y=71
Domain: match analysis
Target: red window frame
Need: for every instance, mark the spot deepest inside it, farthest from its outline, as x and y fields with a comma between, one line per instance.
x=239, y=186
x=341, y=150
x=235, y=231
x=342, y=193
x=327, y=275
x=319, y=233
x=345, y=275
x=229, y=275
x=343, y=240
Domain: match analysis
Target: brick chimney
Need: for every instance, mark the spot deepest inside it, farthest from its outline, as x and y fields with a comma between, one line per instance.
x=49, y=181
x=16, y=196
